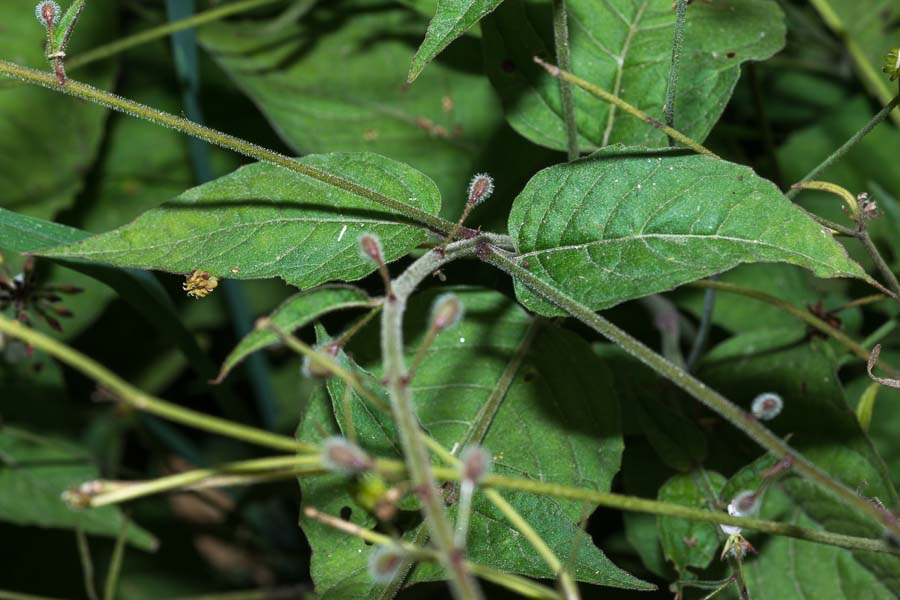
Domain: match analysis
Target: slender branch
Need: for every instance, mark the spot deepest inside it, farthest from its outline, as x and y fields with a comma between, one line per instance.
x=87, y=564
x=115, y=492
x=518, y=584
x=144, y=402
x=879, y=261
x=675, y=67
x=392, y=349
x=629, y=108
x=120, y=45
x=218, y=138
x=854, y=139
x=709, y=304
x=803, y=315
x=111, y=583
x=561, y=38
x=710, y=398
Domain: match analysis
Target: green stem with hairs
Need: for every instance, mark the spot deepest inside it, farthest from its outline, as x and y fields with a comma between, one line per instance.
x=462, y=584
x=675, y=66
x=710, y=398
x=218, y=138
x=137, y=399
x=561, y=39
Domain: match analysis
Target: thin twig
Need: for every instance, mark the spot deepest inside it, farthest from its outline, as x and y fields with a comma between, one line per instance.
x=675, y=66
x=630, y=109
x=561, y=38
x=710, y=398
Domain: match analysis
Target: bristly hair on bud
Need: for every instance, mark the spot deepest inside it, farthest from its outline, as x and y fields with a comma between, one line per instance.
x=342, y=456
x=446, y=312
x=385, y=562
x=480, y=188
x=370, y=247
x=48, y=13
x=767, y=406
x=475, y=463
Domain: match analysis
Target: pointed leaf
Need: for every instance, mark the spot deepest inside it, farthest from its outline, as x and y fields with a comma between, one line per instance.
x=625, y=47
x=35, y=471
x=295, y=312
x=452, y=19
x=558, y=421
x=262, y=221
x=622, y=224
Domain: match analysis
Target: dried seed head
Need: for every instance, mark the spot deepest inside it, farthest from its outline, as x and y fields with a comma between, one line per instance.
x=767, y=406
x=744, y=504
x=475, y=462
x=480, y=188
x=385, y=562
x=342, y=456
x=199, y=284
x=47, y=13
x=446, y=311
x=892, y=63
x=370, y=247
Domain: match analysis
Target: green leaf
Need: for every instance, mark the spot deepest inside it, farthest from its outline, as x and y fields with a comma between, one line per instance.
x=452, y=19
x=263, y=221
x=689, y=543
x=35, y=471
x=625, y=47
x=67, y=23
x=334, y=83
x=867, y=39
x=294, y=313
x=789, y=568
x=47, y=141
x=824, y=428
x=558, y=422
x=622, y=224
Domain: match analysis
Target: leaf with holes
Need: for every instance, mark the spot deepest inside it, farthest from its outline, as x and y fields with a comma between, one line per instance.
x=263, y=221
x=452, y=19
x=555, y=419
x=625, y=47
x=295, y=312
x=625, y=223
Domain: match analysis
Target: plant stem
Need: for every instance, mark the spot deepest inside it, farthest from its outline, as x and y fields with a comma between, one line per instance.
x=710, y=398
x=141, y=401
x=87, y=564
x=561, y=38
x=218, y=138
x=513, y=582
x=675, y=67
x=115, y=563
x=462, y=583
x=709, y=304
x=854, y=139
x=879, y=261
x=616, y=101
x=803, y=315
x=124, y=491
x=161, y=31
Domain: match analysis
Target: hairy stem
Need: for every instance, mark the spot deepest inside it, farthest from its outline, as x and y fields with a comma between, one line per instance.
x=561, y=38
x=462, y=583
x=675, y=67
x=710, y=398
x=144, y=402
x=840, y=152
x=218, y=138
x=629, y=108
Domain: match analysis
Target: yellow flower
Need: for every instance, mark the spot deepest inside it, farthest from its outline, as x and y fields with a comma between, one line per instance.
x=200, y=284
x=892, y=63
